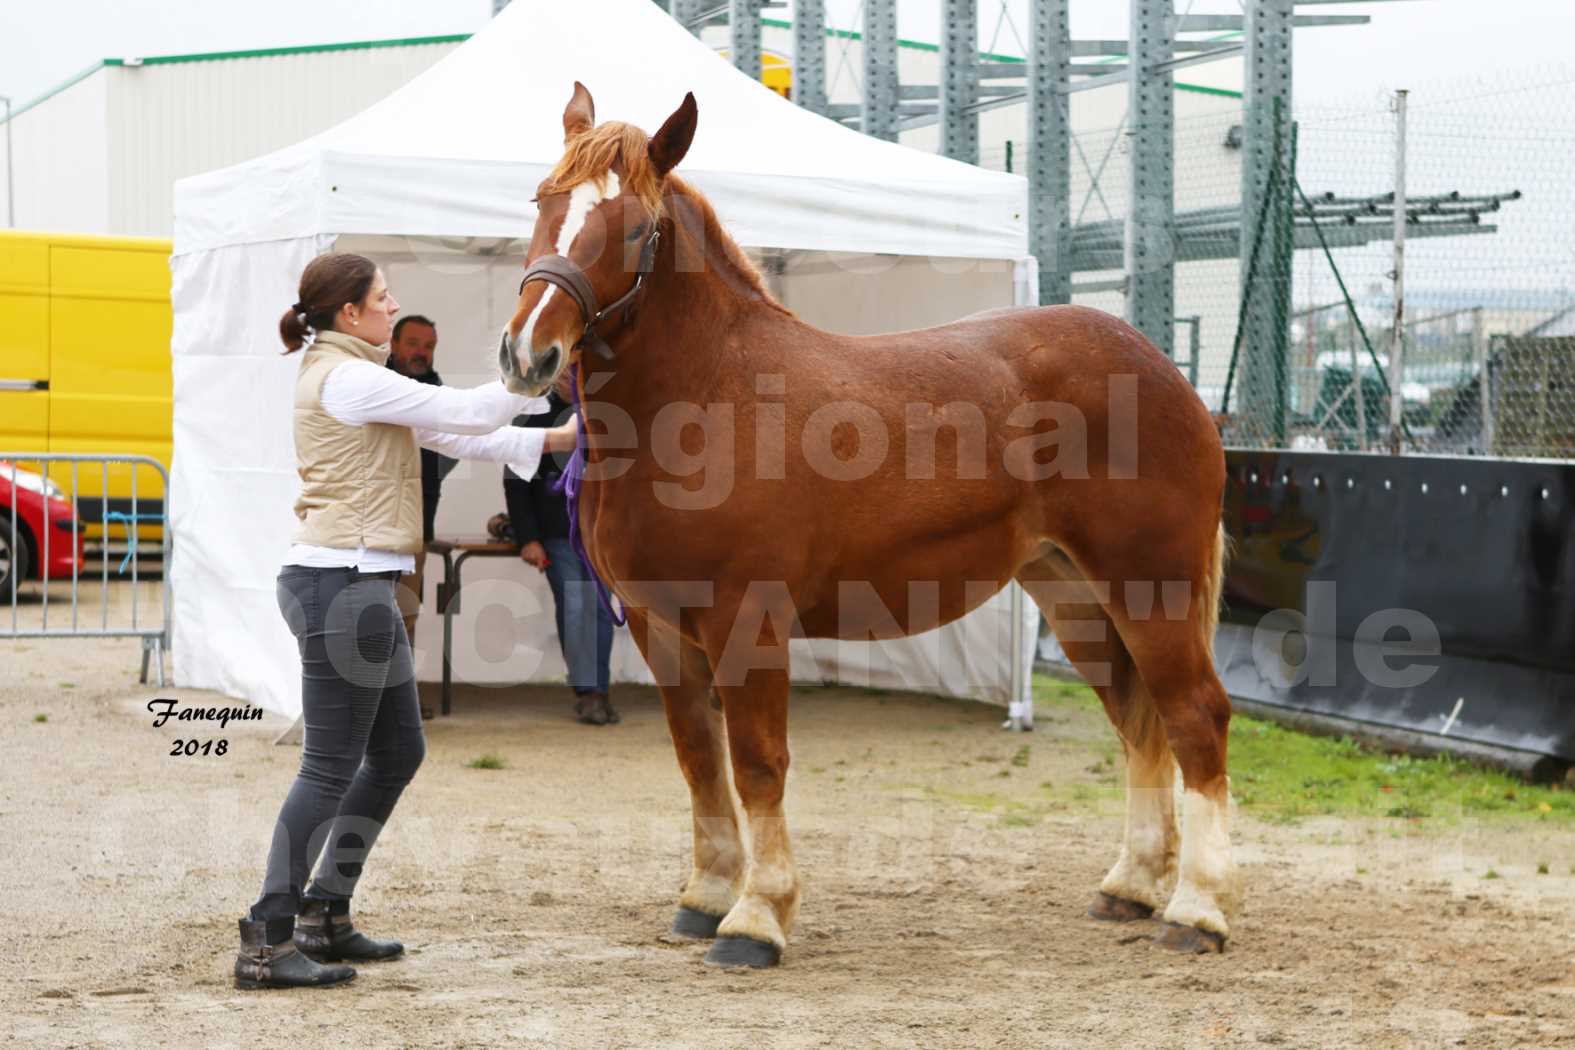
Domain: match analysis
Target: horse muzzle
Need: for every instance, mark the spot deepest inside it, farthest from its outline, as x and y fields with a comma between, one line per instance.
x=543, y=370
x=509, y=368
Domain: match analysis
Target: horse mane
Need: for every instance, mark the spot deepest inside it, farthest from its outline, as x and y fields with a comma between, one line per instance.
x=717, y=244
x=589, y=156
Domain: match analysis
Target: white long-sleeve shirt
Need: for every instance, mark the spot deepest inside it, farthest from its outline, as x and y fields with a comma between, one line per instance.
x=463, y=424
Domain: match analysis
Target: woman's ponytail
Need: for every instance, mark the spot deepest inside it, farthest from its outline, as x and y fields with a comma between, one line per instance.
x=293, y=330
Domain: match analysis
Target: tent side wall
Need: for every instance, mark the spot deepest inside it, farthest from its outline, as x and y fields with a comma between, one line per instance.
x=233, y=479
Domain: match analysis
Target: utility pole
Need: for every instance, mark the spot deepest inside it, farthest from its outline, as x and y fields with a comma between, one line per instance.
x=1397, y=334
x=10, y=197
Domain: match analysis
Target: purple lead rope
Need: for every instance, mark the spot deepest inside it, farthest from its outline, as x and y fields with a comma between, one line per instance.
x=568, y=483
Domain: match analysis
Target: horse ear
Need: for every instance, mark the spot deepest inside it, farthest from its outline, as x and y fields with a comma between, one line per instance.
x=579, y=116
x=671, y=142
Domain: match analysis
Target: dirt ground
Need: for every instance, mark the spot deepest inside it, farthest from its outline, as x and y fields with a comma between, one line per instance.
x=945, y=872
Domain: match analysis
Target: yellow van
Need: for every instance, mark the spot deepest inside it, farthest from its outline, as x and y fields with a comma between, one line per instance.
x=85, y=364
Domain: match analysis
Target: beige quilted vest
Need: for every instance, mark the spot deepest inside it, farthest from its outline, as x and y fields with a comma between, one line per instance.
x=360, y=486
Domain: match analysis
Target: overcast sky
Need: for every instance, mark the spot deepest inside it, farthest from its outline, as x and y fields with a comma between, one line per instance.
x=1414, y=43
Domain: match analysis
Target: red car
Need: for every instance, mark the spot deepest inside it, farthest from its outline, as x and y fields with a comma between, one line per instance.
x=27, y=504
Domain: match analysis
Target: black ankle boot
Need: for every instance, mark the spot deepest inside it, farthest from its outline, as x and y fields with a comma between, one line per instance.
x=323, y=931
x=273, y=962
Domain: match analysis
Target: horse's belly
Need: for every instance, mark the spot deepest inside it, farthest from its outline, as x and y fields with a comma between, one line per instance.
x=868, y=615
x=892, y=594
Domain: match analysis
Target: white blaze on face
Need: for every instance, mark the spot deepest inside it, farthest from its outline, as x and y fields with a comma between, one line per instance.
x=582, y=199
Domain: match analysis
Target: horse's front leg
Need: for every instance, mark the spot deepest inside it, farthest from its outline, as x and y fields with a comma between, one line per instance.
x=755, y=931
x=698, y=738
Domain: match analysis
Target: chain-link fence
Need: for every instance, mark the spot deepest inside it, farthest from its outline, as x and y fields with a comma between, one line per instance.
x=1486, y=362
x=1487, y=359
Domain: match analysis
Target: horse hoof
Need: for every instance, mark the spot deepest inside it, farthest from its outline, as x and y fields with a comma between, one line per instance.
x=697, y=924
x=1189, y=940
x=1117, y=909
x=743, y=951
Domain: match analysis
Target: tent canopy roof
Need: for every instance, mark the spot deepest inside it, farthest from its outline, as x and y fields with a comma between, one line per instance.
x=459, y=150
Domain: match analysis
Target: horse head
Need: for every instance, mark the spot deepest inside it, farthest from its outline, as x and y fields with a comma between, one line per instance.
x=597, y=229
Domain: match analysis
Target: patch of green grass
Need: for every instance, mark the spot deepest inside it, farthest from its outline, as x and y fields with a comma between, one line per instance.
x=1283, y=776
x=40, y=717
x=1542, y=867
x=1280, y=773
x=487, y=761
x=1491, y=874
x=1020, y=760
x=68, y=685
x=1056, y=692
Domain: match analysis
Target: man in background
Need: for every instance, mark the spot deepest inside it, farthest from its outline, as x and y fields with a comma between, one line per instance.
x=411, y=350
x=539, y=517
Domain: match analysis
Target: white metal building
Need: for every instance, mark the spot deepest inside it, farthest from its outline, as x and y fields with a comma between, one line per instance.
x=101, y=152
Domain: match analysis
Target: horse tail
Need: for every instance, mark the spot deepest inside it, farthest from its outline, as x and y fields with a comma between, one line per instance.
x=1213, y=586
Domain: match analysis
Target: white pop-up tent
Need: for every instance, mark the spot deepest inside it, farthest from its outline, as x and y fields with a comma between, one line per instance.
x=435, y=182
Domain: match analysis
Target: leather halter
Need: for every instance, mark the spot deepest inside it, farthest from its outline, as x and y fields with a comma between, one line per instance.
x=558, y=270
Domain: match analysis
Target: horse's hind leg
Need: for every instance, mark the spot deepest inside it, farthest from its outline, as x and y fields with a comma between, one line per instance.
x=1135, y=887
x=1175, y=660
x=700, y=741
x=1195, y=712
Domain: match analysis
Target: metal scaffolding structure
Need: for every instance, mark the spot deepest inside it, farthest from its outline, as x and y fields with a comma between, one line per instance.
x=1261, y=231
x=880, y=113
x=1265, y=192
x=1049, y=148
x=1149, y=255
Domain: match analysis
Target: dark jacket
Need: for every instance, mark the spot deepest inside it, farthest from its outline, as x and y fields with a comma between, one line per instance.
x=434, y=467
x=536, y=512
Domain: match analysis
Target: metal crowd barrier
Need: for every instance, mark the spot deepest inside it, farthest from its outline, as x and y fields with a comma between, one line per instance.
x=37, y=516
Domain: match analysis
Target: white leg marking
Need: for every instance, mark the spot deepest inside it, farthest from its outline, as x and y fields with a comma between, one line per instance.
x=711, y=893
x=1148, y=851
x=1207, y=887
x=769, y=904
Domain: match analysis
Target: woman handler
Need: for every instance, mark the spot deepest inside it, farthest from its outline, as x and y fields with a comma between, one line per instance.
x=358, y=426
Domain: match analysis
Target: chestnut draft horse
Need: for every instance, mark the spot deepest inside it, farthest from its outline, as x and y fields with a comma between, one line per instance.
x=1084, y=467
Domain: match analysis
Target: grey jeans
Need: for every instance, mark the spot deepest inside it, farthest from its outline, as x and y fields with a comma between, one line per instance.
x=363, y=733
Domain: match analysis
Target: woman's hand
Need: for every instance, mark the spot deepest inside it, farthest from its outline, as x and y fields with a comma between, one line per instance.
x=562, y=438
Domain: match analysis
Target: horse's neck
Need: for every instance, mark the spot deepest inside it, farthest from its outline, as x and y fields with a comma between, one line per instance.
x=677, y=347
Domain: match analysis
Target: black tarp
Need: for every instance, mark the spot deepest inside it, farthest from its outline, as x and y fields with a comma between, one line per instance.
x=1483, y=550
